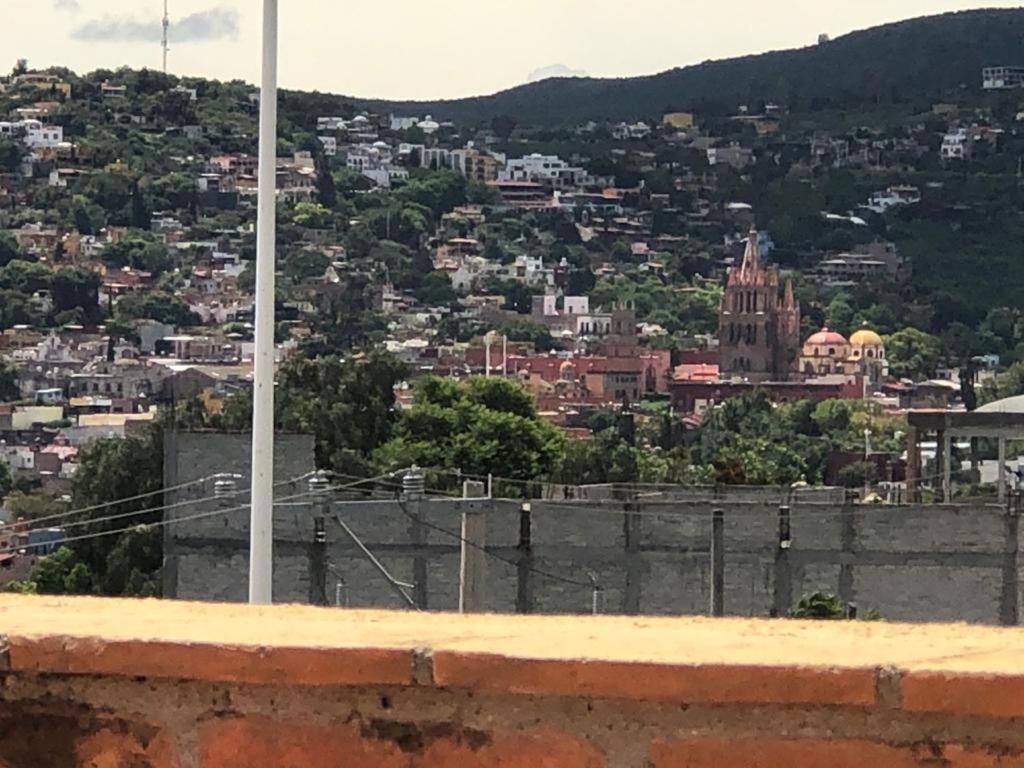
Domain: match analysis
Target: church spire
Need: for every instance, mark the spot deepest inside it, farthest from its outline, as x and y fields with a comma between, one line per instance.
x=788, y=302
x=752, y=255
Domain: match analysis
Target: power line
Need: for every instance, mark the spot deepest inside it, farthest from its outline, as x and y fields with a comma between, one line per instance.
x=148, y=510
x=189, y=518
x=106, y=504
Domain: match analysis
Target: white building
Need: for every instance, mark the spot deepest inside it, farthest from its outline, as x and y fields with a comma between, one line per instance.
x=734, y=155
x=385, y=176
x=956, y=145
x=368, y=157
x=624, y=131
x=33, y=133
x=429, y=126
x=403, y=123
x=331, y=124
x=999, y=78
x=530, y=270
x=880, y=202
x=435, y=157
x=549, y=169
x=330, y=145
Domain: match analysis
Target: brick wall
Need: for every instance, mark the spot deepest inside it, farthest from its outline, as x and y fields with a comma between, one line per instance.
x=90, y=683
x=648, y=555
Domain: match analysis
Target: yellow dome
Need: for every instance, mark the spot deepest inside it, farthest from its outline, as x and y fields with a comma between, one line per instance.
x=865, y=338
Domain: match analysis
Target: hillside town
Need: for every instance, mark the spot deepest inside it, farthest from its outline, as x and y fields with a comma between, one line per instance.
x=600, y=388
x=649, y=270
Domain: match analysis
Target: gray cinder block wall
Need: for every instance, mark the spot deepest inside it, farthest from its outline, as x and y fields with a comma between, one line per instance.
x=647, y=556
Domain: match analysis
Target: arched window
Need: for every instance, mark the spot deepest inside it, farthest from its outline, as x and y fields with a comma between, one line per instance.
x=871, y=353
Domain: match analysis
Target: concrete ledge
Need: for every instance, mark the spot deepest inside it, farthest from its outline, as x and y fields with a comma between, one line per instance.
x=93, y=683
x=693, y=684
x=953, y=669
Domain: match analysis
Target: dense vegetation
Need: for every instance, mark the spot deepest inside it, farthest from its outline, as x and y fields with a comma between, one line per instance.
x=897, y=66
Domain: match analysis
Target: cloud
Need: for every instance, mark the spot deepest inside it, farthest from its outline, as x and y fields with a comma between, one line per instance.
x=71, y=6
x=214, y=24
x=554, y=70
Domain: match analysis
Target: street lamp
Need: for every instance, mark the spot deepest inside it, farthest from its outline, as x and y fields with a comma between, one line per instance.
x=261, y=520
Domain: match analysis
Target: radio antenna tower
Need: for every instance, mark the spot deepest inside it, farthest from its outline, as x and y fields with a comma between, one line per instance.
x=166, y=24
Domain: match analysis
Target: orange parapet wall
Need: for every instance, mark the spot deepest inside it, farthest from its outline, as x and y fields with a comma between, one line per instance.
x=104, y=683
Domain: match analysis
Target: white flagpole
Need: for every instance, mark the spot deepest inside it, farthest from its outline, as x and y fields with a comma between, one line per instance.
x=261, y=530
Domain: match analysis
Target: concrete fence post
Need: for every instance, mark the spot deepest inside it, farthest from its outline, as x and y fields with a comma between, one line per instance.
x=632, y=528
x=848, y=546
x=717, y=563
x=413, y=492
x=524, y=562
x=473, y=561
x=783, y=581
x=1009, y=592
x=318, y=563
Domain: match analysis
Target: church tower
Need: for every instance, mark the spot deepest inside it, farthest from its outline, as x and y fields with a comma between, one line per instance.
x=758, y=330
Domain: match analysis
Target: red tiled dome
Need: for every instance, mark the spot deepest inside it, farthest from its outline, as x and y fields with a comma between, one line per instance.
x=826, y=337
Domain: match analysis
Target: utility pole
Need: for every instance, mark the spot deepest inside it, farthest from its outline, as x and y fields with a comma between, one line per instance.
x=166, y=25
x=261, y=522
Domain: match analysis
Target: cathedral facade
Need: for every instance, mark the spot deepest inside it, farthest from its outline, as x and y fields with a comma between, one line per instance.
x=758, y=325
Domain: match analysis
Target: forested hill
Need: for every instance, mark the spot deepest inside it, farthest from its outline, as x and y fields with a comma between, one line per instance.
x=918, y=60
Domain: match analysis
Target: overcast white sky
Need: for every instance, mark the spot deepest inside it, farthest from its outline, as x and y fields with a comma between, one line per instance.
x=431, y=48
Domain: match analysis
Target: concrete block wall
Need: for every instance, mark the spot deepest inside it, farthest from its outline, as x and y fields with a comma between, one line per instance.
x=647, y=555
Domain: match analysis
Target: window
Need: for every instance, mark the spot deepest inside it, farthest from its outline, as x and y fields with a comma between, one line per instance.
x=831, y=351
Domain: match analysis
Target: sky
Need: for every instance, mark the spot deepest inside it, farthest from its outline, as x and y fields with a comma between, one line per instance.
x=431, y=49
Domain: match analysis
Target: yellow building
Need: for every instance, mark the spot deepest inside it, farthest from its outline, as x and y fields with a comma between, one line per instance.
x=678, y=120
x=42, y=81
x=828, y=352
x=867, y=355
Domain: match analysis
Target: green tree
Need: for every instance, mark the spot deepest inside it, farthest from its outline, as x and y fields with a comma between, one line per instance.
x=61, y=573
x=436, y=289
x=77, y=288
x=9, y=249
x=312, y=216
x=527, y=330
x=326, y=191
x=347, y=405
x=25, y=276
x=478, y=425
x=9, y=389
x=109, y=470
x=305, y=264
x=6, y=481
x=479, y=193
x=156, y=305
x=913, y=353
x=11, y=155
x=503, y=125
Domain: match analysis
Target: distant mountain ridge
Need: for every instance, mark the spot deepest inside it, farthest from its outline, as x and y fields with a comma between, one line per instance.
x=922, y=58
